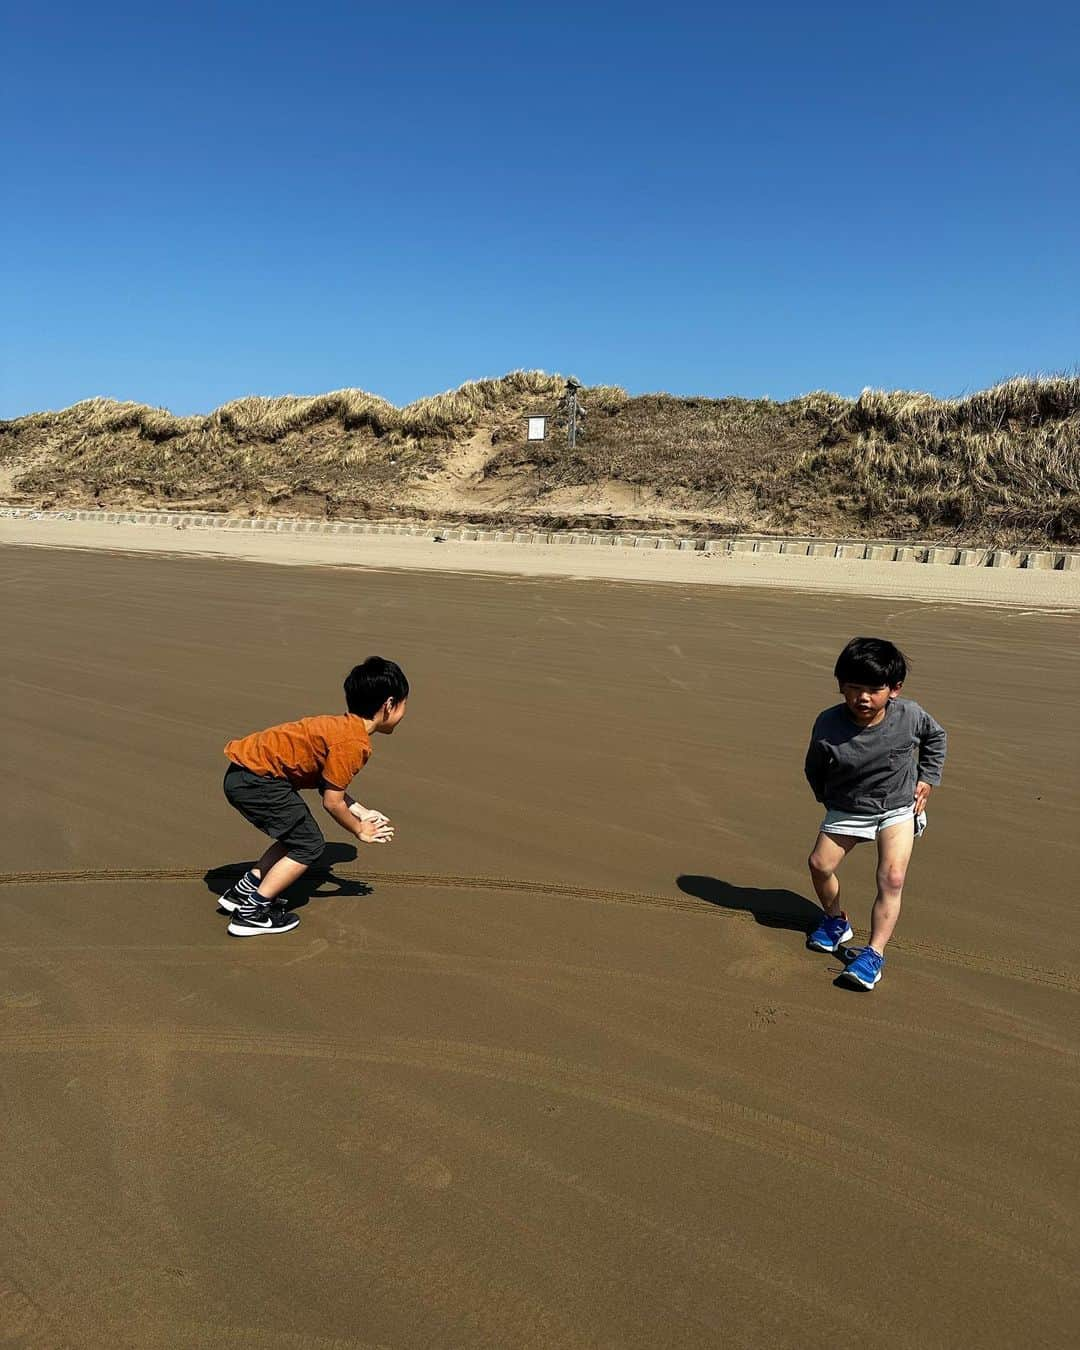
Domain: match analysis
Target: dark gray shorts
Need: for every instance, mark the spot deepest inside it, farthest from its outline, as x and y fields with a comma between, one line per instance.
x=275, y=807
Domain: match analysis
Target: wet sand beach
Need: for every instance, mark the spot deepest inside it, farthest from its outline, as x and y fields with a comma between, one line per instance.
x=554, y=1069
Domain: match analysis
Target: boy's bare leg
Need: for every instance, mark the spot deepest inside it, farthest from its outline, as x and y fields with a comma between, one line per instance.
x=272, y=855
x=894, y=854
x=829, y=852
x=280, y=876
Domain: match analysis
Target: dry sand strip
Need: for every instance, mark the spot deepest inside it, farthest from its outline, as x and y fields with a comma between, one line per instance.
x=1027, y=588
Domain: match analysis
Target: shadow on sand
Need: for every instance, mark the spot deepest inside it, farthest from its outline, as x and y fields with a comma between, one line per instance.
x=771, y=908
x=319, y=883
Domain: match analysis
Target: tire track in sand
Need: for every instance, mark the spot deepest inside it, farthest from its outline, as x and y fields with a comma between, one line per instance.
x=981, y=962
x=1003, y=1229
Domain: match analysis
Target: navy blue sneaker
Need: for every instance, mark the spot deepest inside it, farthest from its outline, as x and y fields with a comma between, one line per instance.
x=829, y=933
x=251, y=920
x=865, y=969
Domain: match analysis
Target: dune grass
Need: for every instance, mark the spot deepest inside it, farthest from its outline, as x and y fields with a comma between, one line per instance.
x=1002, y=464
x=1003, y=460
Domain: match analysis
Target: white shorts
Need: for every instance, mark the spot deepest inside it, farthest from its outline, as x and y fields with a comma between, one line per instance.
x=869, y=827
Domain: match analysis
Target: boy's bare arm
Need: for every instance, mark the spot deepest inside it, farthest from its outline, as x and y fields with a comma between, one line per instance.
x=375, y=829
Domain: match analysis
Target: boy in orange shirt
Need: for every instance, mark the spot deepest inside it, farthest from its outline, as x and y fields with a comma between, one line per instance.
x=325, y=752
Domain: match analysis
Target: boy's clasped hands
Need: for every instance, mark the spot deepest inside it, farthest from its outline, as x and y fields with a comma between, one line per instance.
x=375, y=828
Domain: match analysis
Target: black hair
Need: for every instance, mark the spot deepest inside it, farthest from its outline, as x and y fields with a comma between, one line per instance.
x=371, y=683
x=871, y=661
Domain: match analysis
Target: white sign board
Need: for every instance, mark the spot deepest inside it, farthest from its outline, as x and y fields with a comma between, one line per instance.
x=537, y=427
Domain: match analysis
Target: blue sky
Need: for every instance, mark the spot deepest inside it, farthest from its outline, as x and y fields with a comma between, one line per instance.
x=205, y=201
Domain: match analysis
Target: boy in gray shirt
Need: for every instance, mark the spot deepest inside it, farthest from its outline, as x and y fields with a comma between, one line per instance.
x=873, y=761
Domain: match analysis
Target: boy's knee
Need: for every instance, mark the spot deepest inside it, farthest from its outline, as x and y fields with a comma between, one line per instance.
x=818, y=867
x=892, y=877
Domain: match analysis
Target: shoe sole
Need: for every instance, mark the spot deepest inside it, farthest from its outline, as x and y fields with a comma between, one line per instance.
x=829, y=951
x=855, y=979
x=237, y=931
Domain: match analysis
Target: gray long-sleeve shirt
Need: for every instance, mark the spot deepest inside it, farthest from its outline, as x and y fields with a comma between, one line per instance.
x=868, y=770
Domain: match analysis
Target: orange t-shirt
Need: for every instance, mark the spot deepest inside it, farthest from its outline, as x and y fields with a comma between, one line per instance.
x=316, y=750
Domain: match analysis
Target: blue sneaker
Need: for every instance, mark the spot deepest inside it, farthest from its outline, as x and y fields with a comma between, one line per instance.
x=865, y=969
x=829, y=933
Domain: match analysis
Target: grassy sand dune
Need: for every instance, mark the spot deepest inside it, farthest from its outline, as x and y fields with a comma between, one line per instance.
x=1000, y=465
